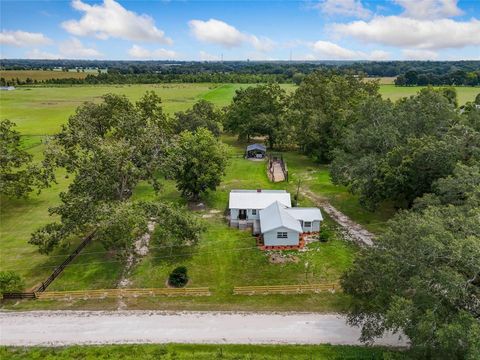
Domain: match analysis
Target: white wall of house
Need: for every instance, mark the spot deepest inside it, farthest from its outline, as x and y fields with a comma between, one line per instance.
x=270, y=238
x=310, y=226
x=250, y=214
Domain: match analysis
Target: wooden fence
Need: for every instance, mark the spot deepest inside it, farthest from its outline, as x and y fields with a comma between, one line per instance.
x=277, y=159
x=285, y=289
x=18, y=295
x=121, y=293
x=64, y=264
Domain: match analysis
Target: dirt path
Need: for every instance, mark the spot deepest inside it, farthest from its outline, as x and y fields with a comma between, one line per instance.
x=140, y=250
x=355, y=231
x=278, y=174
x=56, y=328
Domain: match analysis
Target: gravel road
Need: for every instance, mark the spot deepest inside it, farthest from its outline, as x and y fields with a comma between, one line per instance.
x=55, y=328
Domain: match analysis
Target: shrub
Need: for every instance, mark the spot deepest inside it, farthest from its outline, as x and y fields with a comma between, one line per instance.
x=325, y=233
x=178, y=277
x=10, y=282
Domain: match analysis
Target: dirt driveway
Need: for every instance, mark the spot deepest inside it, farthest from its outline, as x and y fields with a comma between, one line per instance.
x=120, y=327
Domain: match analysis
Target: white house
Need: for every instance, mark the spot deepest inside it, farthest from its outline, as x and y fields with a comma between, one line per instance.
x=269, y=213
x=245, y=206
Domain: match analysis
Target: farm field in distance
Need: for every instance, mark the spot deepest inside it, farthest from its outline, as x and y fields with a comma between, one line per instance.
x=41, y=75
x=40, y=111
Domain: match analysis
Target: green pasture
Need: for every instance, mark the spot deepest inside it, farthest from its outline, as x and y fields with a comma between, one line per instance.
x=464, y=93
x=202, y=352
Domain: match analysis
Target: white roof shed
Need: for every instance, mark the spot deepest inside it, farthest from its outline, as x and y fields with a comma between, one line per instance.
x=257, y=199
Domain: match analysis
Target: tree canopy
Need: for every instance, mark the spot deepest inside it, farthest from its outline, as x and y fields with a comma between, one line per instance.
x=322, y=107
x=422, y=276
x=197, y=162
x=108, y=148
x=18, y=175
x=202, y=114
x=257, y=111
x=395, y=151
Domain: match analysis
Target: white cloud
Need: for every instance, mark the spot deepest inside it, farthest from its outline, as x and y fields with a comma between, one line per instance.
x=326, y=50
x=353, y=8
x=39, y=54
x=413, y=33
x=74, y=49
x=412, y=54
x=23, y=38
x=263, y=44
x=204, y=56
x=219, y=32
x=216, y=32
x=139, y=52
x=111, y=19
x=329, y=50
x=429, y=9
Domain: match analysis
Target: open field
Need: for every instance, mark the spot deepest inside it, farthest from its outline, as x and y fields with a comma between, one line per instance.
x=200, y=352
x=464, y=93
x=41, y=75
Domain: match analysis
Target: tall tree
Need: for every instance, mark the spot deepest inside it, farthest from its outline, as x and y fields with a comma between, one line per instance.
x=422, y=276
x=322, y=107
x=197, y=162
x=257, y=111
x=396, y=151
x=18, y=175
x=202, y=114
x=108, y=147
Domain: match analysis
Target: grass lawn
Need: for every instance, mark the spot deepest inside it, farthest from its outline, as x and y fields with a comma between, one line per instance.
x=202, y=352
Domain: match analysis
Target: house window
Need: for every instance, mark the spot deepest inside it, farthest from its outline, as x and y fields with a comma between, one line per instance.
x=282, y=235
x=254, y=211
x=307, y=224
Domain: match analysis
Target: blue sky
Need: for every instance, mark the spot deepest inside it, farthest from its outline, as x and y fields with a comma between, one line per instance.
x=240, y=30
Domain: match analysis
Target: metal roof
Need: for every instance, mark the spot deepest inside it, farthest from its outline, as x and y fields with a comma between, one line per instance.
x=257, y=199
x=256, y=147
x=275, y=216
x=305, y=214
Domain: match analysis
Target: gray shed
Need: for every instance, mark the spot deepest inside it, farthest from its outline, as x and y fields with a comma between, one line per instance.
x=256, y=151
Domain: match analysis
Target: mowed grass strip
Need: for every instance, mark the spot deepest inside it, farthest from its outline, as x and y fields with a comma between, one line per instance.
x=203, y=352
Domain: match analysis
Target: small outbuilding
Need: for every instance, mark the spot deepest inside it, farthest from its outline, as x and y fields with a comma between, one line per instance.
x=256, y=151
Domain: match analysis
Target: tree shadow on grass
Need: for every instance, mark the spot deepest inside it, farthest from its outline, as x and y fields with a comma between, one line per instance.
x=171, y=255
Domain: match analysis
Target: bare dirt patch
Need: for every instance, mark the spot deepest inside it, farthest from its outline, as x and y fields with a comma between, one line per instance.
x=279, y=258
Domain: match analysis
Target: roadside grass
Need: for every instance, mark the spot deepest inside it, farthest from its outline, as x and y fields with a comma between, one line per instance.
x=204, y=352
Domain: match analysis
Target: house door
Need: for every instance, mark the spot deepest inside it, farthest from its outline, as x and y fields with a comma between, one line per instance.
x=242, y=214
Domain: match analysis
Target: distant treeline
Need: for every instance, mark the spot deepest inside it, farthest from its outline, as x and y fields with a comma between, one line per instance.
x=123, y=72
x=457, y=77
